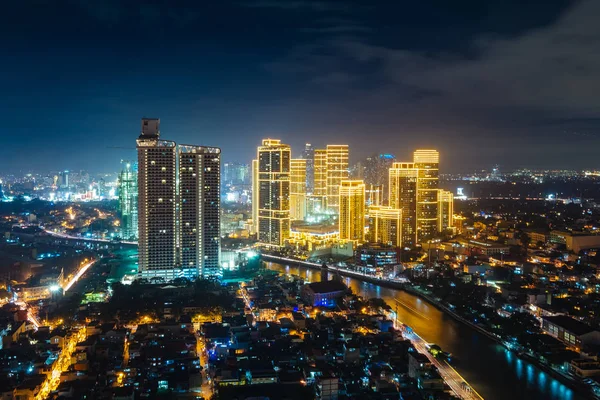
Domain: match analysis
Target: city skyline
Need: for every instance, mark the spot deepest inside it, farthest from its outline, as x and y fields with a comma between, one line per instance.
x=380, y=77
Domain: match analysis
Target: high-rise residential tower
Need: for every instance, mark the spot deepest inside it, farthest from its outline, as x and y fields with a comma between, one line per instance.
x=445, y=210
x=414, y=188
x=427, y=165
x=298, y=171
x=273, y=192
x=385, y=225
x=128, y=201
x=255, y=196
x=157, y=203
x=352, y=210
x=199, y=210
x=403, y=196
x=337, y=171
x=319, y=192
x=178, y=207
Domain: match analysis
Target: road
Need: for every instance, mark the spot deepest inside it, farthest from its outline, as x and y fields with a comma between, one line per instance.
x=456, y=382
x=82, y=269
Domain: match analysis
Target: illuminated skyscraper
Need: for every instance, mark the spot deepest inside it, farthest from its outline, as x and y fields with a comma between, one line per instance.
x=128, y=201
x=255, y=196
x=320, y=178
x=199, y=210
x=309, y=155
x=427, y=165
x=298, y=189
x=403, y=196
x=273, y=192
x=157, y=203
x=385, y=225
x=445, y=210
x=337, y=171
x=63, y=179
x=414, y=189
x=178, y=207
x=352, y=210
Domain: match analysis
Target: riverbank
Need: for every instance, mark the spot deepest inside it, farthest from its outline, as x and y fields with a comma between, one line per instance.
x=580, y=389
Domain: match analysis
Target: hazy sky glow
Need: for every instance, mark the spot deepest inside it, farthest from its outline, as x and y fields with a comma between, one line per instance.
x=495, y=83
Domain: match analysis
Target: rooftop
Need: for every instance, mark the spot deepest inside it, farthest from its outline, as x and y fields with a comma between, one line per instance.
x=572, y=325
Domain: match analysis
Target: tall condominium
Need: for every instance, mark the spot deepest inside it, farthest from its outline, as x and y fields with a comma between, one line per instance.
x=414, y=188
x=157, y=203
x=427, y=165
x=403, y=195
x=319, y=192
x=273, y=192
x=445, y=210
x=309, y=155
x=179, y=207
x=254, y=196
x=385, y=225
x=352, y=210
x=298, y=171
x=199, y=210
x=337, y=171
x=128, y=201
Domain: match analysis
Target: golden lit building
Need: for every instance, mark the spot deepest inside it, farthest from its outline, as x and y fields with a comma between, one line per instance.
x=427, y=164
x=298, y=189
x=319, y=193
x=458, y=223
x=274, y=160
x=352, y=210
x=337, y=171
x=403, y=196
x=255, y=196
x=445, y=209
x=385, y=225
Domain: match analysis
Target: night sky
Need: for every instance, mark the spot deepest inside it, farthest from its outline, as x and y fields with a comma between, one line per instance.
x=508, y=82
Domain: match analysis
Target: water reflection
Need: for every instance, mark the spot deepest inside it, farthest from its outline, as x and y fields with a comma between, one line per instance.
x=492, y=370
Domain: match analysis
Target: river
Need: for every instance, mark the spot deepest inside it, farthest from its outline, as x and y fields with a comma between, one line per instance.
x=493, y=371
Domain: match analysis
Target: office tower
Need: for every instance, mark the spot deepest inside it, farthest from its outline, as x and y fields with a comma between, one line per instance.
x=234, y=174
x=427, y=165
x=128, y=201
x=273, y=192
x=385, y=225
x=199, y=221
x=374, y=195
x=403, y=196
x=445, y=210
x=298, y=171
x=63, y=179
x=309, y=155
x=337, y=171
x=351, y=201
x=1, y=191
x=255, y=196
x=376, y=172
x=157, y=202
x=320, y=179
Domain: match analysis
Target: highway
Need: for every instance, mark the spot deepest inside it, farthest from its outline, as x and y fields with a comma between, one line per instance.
x=82, y=269
x=65, y=236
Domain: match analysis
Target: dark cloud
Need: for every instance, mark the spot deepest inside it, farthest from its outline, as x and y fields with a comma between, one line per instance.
x=302, y=5
x=553, y=70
